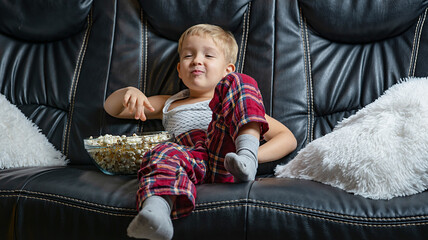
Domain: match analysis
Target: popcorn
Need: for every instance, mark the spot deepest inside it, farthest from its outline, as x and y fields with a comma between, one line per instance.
x=122, y=154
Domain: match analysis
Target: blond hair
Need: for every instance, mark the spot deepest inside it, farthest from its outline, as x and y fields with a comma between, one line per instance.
x=221, y=38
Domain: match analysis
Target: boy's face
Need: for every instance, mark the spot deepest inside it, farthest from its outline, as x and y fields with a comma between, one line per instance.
x=202, y=64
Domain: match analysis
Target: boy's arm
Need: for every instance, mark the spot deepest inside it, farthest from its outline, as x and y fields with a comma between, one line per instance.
x=280, y=141
x=131, y=103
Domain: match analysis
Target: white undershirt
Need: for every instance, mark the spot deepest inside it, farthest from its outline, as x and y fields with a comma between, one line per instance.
x=186, y=117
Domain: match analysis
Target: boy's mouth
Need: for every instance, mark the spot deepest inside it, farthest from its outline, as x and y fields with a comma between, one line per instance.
x=197, y=72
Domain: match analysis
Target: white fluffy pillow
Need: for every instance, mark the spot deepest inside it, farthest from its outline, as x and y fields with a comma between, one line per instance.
x=381, y=152
x=21, y=142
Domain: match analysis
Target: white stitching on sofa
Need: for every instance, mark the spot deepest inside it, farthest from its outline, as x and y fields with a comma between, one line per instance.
x=145, y=54
x=19, y=193
x=340, y=215
x=76, y=76
x=308, y=77
x=220, y=207
x=244, y=39
x=318, y=217
x=74, y=206
x=311, y=89
x=249, y=201
x=247, y=30
x=304, y=63
x=419, y=40
x=343, y=222
x=143, y=68
x=413, y=46
x=142, y=60
x=220, y=202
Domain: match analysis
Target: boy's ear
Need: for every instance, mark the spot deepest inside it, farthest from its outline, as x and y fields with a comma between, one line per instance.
x=178, y=69
x=230, y=68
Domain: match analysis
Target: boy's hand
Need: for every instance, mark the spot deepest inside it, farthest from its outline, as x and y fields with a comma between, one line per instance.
x=135, y=102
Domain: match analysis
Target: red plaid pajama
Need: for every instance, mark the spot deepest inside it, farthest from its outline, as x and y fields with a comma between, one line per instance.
x=198, y=157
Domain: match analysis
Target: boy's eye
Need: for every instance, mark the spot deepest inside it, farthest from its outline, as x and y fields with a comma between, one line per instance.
x=187, y=56
x=209, y=56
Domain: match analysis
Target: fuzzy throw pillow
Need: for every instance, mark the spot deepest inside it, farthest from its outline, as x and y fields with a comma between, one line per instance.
x=381, y=152
x=21, y=142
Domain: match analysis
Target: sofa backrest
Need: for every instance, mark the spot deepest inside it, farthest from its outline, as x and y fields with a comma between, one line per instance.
x=42, y=52
x=316, y=62
x=332, y=58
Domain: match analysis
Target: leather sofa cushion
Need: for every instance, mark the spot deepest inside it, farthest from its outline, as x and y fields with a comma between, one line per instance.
x=361, y=21
x=170, y=23
x=38, y=20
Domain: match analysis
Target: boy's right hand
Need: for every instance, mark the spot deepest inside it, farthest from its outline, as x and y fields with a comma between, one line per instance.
x=135, y=102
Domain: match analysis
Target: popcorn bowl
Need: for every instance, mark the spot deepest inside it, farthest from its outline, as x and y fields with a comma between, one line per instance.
x=121, y=155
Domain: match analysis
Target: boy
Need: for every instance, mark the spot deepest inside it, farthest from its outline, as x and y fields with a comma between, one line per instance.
x=218, y=122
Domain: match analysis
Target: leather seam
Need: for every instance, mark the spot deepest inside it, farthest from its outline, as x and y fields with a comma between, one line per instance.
x=247, y=29
x=143, y=44
x=311, y=91
x=416, y=44
x=379, y=225
x=76, y=76
x=303, y=32
x=73, y=206
x=419, y=41
x=143, y=72
x=247, y=203
x=244, y=39
x=19, y=193
x=304, y=65
x=220, y=202
x=341, y=215
x=310, y=210
x=413, y=47
x=383, y=225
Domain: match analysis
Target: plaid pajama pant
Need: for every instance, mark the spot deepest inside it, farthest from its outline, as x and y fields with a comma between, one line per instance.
x=196, y=157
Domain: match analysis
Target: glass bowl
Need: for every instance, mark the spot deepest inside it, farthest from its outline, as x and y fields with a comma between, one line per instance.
x=121, y=155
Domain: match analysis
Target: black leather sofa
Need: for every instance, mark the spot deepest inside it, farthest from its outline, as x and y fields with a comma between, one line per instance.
x=316, y=62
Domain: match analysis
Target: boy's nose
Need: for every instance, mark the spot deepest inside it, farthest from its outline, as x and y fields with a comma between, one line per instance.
x=197, y=60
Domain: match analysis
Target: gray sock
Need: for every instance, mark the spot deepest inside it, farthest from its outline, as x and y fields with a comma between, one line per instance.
x=153, y=221
x=243, y=164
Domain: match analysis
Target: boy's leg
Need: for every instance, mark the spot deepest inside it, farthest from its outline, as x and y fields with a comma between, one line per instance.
x=237, y=102
x=153, y=221
x=167, y=185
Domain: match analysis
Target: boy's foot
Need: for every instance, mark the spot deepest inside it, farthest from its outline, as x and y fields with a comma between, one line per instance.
x=153, y=221
x=243, y=164
x=241, y=167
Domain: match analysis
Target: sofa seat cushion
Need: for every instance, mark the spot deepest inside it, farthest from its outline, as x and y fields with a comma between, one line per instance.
x=302, y=209
x=80, y=202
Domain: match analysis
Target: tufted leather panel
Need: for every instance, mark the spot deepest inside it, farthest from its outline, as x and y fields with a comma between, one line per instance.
x=338, y=78
x=286, y=105
x=361, y=21
x=169, y=23
x=88, y=92
x=41, y=21
x=38, y=75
